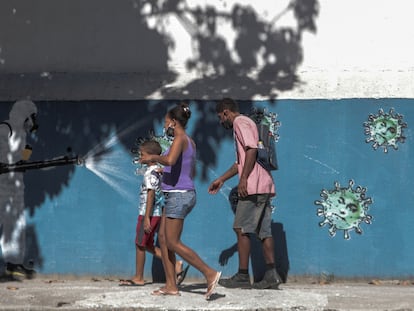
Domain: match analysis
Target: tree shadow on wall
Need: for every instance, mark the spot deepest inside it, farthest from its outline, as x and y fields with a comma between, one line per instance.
x=256, y=253
x=261, y=57
x=76, y=127
x=268, y=55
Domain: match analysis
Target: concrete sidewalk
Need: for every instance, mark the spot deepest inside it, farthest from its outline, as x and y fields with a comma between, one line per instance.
x=46, y=293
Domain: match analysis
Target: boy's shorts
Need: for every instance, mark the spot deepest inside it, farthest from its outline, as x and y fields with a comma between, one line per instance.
x=144, y=239
x=179, y=204
x=254, y=215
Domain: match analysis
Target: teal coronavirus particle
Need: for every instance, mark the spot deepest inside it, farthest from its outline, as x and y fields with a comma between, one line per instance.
x=344, y=208
x=265, y=117
x=385, y=129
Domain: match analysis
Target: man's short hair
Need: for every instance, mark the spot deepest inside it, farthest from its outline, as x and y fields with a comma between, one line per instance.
x=227, y=103
x=151, y=146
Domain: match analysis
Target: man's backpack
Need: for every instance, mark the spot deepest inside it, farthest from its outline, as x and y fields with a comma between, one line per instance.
x=266, y=147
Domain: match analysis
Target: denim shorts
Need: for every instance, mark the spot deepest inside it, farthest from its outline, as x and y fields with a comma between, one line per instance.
x=254, y=215
x=179, y=204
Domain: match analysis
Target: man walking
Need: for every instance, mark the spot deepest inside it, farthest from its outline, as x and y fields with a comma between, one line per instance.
x=256, y=187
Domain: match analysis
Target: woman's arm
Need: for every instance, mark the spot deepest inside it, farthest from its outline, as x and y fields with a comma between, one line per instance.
x=171, y=158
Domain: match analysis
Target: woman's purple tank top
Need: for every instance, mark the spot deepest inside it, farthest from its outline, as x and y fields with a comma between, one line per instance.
x=180, y=175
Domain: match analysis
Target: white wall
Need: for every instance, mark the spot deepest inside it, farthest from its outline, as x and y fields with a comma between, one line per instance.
x=362, y=49
x=122, y=50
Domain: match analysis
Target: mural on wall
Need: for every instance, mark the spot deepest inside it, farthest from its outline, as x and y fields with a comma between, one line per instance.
x=15, y=153
x=268, y=118
x=267, y=126
x=64, y=200
x=14, y=149
x=344, y=208
x=385, y=129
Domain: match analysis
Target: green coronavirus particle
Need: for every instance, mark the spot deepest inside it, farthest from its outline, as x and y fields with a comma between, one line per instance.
x=344, y=209
x=385, y=129
x=265, y=117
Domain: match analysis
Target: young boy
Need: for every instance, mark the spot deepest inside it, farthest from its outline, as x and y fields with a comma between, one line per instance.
x=149, y=218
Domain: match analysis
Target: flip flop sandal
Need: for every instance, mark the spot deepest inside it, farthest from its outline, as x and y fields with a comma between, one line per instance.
x=212, y=287
x=129, y=283
x=181, y=275
x=162, y=292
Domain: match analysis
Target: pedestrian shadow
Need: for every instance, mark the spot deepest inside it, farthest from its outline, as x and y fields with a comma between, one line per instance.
x=200, y=288
x=281, y=254
x=256, y=254
x=8, y=278
x=157, y=268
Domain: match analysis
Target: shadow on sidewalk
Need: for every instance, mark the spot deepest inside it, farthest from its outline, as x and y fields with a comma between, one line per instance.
x=256, y=255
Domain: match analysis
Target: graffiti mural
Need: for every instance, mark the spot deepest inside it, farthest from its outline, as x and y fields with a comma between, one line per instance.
x=267, y=126
x=61, y=202
x=385, y=130
x=344, y=208
x=267, y=118
x=14, y=149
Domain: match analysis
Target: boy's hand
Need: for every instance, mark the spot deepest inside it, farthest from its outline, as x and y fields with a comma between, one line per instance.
x=215, y=186
x=147, y=225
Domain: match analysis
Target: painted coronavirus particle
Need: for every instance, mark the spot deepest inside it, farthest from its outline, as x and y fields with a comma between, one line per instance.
x=385, y=129
x=344, y=209
x=265, y=117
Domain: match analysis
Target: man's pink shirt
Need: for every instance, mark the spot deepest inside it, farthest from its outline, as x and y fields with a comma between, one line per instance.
x=259, y=181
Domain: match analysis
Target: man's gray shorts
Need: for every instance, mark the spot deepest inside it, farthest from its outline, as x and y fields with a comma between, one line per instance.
x=254, y=215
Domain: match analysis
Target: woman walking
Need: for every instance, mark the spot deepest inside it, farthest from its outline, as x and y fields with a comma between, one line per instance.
x=180, y=198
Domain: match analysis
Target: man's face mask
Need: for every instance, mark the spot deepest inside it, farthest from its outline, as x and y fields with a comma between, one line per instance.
x=225, y=123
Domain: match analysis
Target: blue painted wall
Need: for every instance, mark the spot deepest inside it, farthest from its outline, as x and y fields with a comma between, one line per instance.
x=80, y=223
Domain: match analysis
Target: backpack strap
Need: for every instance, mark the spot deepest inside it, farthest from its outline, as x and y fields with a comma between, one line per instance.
x=10, y=128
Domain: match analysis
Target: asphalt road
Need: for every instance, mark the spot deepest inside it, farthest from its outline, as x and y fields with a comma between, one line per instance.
x=69, y=293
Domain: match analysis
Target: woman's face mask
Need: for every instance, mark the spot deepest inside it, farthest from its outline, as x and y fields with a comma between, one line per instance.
x=170, y=130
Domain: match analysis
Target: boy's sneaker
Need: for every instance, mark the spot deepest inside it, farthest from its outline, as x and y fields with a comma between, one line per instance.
x=238, y=280
x=18, y=270
x=271, y=280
